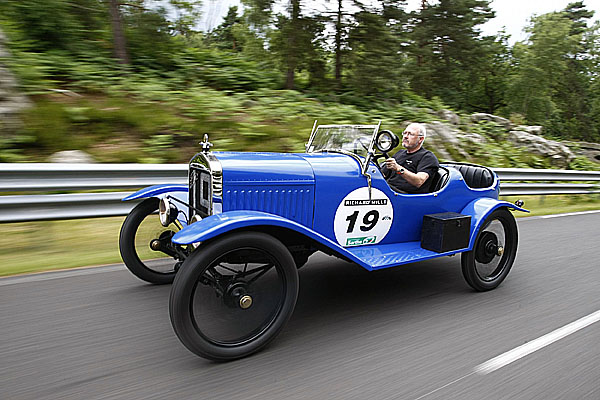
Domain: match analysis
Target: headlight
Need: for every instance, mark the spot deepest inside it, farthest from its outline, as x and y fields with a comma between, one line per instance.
x=167, y=212
x=386, y=141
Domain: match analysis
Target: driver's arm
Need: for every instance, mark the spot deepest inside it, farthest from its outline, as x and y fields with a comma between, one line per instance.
x=415, y=179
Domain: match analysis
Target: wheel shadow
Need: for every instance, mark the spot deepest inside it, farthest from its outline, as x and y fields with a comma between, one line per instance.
x=332, y=290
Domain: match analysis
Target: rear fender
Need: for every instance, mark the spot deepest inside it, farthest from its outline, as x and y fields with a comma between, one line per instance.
x=480, y=209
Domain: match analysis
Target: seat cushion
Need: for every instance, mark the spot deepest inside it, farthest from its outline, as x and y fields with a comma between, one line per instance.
x=475, y=176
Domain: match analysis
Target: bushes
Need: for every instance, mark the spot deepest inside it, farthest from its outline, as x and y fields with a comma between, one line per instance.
x=222, y=70
x=144, y=121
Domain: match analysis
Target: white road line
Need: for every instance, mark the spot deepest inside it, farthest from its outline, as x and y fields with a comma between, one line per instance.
x=559, y=215
x=536, y=344
x=570, y=214
x=46, y=276
x=445, y=386
x=526, y=349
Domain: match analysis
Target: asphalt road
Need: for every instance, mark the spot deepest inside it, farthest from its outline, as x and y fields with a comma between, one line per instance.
x=410, y=332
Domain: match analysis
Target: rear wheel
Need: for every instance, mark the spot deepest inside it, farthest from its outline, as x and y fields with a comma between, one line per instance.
x=233, y=295
x=495, y=249
x=146, y=247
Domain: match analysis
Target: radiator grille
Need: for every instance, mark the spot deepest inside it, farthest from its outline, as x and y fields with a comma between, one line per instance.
x=200, y=191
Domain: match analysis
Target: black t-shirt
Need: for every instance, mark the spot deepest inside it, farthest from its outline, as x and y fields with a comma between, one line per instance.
x=420, y=161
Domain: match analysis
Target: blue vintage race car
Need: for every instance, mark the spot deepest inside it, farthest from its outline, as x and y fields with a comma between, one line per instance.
x=237, y=235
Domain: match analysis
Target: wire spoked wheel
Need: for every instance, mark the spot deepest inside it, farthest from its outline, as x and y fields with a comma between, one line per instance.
x=146, y=247
x=233, y=295
x=494, y=252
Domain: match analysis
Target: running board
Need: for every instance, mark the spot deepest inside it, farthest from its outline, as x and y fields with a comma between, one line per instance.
x=390, y=255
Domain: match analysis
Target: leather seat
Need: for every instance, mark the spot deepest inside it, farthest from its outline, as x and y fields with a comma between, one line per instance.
x=439, y=179
x=475, y=176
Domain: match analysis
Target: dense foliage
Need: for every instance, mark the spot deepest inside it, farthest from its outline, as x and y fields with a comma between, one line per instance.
x=136, y=81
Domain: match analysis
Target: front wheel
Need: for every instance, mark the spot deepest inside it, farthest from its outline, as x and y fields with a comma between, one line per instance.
x=233, y=295
x=495, y=249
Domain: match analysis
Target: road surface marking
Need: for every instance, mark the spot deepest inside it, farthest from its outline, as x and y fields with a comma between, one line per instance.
x=536, y=344
x=559, y=215
x=570, y=214
x=445, y=386
x=526, y=349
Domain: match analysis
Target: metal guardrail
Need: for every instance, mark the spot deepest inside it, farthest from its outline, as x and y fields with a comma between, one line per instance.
x=63, y=206
x=532, y=174
x=38, y=178
x=519, y=181
x=43, y=177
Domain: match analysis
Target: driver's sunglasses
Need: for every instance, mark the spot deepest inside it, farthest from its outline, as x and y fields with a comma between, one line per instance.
x=413, y=134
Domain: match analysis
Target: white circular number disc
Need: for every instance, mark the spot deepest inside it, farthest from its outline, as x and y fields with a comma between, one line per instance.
x=360, y=220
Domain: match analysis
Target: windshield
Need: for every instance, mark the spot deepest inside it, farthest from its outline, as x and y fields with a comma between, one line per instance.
x=355, y=139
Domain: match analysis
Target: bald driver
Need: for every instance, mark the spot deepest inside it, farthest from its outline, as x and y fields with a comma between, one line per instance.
x=410, y=170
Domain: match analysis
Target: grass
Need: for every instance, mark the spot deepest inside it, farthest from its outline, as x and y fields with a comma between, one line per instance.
x=46, y=245
x=40, y=246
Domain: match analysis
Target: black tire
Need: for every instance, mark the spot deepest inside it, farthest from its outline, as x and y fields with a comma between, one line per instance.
x=215, y=325
x=139, y=228
x=494, y=252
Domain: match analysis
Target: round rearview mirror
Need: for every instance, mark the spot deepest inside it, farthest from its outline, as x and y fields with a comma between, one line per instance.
x=167, y=212
x=386, y=141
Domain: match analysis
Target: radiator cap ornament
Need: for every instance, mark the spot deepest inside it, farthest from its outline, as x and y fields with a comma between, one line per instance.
x=206, y=145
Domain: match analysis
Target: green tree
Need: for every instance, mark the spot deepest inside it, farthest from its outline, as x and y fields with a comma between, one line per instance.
x=346, y=20
x=149, y=37
x=223, y=36
x=592, y=38
x=296, y=40
x=374, y=62
x=486, y=91
x=446, y=48
x=578, y=14
x=119, y=41
x=64, y=25
x=540, y=65
x=187, y=14
x=572, y=91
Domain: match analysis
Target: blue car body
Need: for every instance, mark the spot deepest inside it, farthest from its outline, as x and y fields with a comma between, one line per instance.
x=307, y=195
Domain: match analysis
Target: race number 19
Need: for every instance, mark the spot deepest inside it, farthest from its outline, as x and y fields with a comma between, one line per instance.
x=361, y=220
x=369, y=221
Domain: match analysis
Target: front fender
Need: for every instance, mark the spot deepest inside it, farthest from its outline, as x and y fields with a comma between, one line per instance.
x=219, y=224
x=179, y=192
x=480, y=209
x=157, y=191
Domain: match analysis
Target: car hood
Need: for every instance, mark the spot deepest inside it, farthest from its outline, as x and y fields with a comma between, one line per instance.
x=289, y=185
x=267, y=168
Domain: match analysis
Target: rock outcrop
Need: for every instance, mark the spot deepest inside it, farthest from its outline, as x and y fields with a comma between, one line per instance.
x=441, y=137
x=449, y=142
x=560, y=155
x=478, y=117
x=71, y=156
x=449, y=116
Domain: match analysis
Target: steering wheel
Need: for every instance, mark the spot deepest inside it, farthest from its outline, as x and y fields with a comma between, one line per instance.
x=376, y=158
